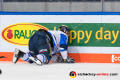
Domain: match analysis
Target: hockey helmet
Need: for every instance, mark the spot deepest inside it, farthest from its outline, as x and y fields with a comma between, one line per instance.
x=64, y=28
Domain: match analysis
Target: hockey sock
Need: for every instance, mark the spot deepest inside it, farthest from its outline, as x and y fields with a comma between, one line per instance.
x=25, y=57
x=41, y=57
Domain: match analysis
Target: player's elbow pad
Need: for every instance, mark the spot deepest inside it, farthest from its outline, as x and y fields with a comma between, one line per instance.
x=64, y=46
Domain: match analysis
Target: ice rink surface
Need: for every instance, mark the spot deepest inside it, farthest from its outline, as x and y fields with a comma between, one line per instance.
x=57, y=71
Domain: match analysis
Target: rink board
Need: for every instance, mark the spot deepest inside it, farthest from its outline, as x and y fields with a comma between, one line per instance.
x=79, y=57
x=93, y=38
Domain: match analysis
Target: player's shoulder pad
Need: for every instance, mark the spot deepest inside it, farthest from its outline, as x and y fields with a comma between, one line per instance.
x=62, y=34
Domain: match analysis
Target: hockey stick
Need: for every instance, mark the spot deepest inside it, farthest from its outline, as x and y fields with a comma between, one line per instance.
x=2, y=57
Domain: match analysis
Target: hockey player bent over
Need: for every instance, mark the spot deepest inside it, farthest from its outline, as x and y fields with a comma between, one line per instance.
x=43, y=45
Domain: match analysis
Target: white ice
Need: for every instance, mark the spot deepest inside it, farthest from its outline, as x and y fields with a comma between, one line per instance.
x=57, y=71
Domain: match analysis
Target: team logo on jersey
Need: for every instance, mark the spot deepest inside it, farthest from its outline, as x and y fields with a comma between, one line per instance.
x=72, y=74
x=19, y=34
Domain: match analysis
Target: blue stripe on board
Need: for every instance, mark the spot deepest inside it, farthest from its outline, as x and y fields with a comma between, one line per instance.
x=59, y=13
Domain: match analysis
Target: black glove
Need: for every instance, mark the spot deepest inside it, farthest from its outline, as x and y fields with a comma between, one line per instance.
x=68, y=60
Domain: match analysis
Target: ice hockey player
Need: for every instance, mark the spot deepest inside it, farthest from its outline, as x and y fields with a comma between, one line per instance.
x=43, y=46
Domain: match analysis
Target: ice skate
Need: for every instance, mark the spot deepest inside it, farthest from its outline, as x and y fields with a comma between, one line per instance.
x=17, y=55
x=36, y=60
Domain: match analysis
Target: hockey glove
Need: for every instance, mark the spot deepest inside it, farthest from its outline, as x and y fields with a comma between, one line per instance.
x=68, y=60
